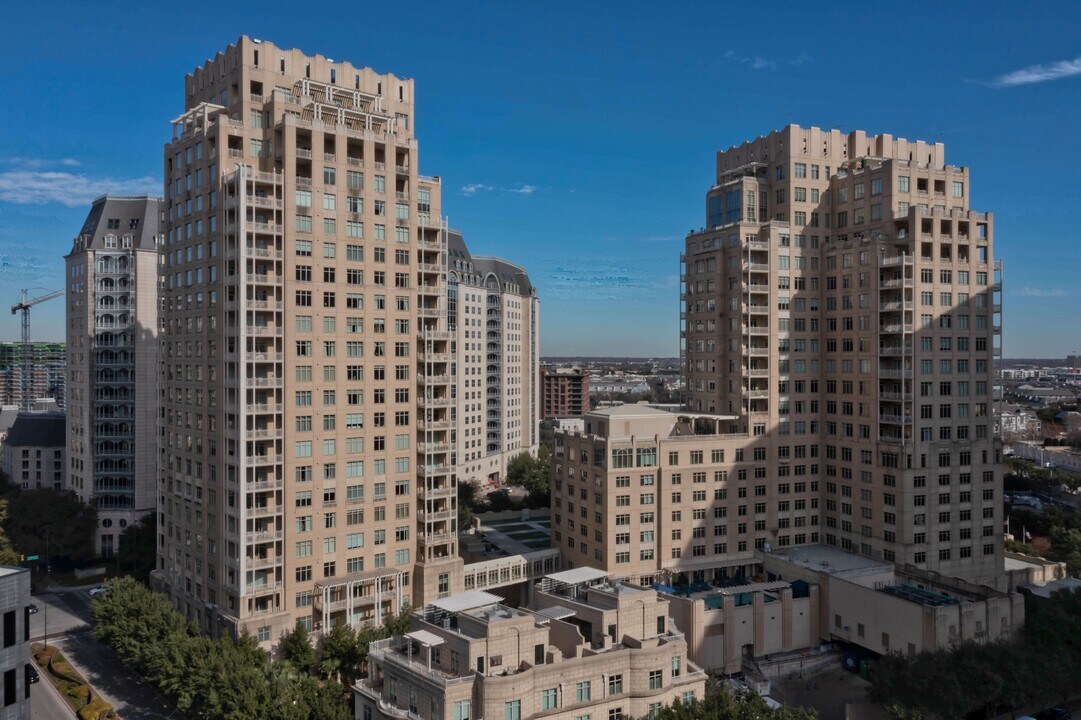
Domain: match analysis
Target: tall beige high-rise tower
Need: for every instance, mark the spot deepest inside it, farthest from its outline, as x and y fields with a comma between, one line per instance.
x=844, y=297
x=494, y=313
x=307, y=400
x=112, y=363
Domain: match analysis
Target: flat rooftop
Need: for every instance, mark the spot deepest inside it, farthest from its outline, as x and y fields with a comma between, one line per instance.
x=831, y=560
x=6, y=570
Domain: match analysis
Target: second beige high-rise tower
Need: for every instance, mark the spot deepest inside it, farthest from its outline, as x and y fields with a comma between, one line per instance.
x=843, y=296
x=307, y=399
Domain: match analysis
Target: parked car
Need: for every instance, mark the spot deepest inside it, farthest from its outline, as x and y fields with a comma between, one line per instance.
x=1055, y=713
x=32, y=673
x=95, y=591
x=33, y=608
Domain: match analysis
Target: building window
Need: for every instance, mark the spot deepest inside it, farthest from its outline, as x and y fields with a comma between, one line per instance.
x=582, y=691
x=656, y=679
x=512, y=710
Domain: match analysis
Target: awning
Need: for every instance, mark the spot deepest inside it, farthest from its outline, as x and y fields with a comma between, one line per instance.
x=557, y=612
x=425, y=638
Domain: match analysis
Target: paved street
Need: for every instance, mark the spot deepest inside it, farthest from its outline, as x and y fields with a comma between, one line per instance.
x=46, y=703
x=65, y=612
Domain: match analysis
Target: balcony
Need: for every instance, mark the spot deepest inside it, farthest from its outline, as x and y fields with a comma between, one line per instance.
x=757, y=372
x=755, y=330
x=895, y=328
x=435, y=425
x=437, y=401
x=264, y=588
x=262, y=536
x=755, y=394
x=895, y=306
x=895, y=397
x=438, y=538
x=265, y=408
x=264, y=485
x=894, y=373
x=265, y=459
x=265, y=434
x=894, y=350
x=256, y=563
x=896, y=283
x=758, y=309
x=434, y=470
x=755, y=350
x=895, y=419
x=436, y=515
x=755, y=267
x=267, y=382
x=437, y=492
x=304, y=153
x=264, y=511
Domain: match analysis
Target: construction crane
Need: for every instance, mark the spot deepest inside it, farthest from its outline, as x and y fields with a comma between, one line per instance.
x=24, y=305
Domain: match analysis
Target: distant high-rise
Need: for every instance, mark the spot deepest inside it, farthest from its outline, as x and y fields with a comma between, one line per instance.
x=564, y=392
x=308, y=393
x=47, y=376
x=492, y=309
x=112, y=346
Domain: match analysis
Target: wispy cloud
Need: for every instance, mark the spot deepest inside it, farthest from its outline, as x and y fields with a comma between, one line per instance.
x=524, y=189
x=758, y=62
x=1038, y=74
x=39, y=163
x=474, y=188
x=1043, y=292
x=31, y=187
x=755, y=62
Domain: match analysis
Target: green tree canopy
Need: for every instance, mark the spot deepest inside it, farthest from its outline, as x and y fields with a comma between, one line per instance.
x=59, y=516
x=534, y=474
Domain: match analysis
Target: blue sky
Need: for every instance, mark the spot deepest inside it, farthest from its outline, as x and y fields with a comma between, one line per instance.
x=578, y=139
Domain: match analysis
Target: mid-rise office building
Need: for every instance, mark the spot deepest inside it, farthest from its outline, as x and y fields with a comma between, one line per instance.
x=112, y=348
x=308, y=394
x=47, y=376
x=492, y=309
x=15, y=653
x=591, y=647
x=840, y=315
x=564, y=392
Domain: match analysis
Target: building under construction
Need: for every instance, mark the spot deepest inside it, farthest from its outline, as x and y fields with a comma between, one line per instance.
x=47, y=375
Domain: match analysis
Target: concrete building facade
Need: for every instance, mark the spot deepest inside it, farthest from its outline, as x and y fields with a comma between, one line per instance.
x=493, y=311
x=32, y=453
x=591, y=648
x=564, y=392
x=15, y=654
x=47, y=378
x=843, y=296
x=308, y=397
x=112, y=363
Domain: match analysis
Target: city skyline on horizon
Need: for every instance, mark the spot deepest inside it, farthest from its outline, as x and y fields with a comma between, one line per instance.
x=549, y=192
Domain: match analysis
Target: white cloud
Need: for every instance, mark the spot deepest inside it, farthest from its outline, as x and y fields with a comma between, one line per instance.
x=38, y=163
x=757, y=62
x=1043, y=292
x=474, y=188
x=29, y=187
x=524, y=189
x=1038, y=73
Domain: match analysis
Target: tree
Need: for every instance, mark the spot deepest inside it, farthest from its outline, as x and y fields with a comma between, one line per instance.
x=139, y=547
x=61, y=517
x=534, y=474
x=9, y=554
x=719, y=704
x=296, y=647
